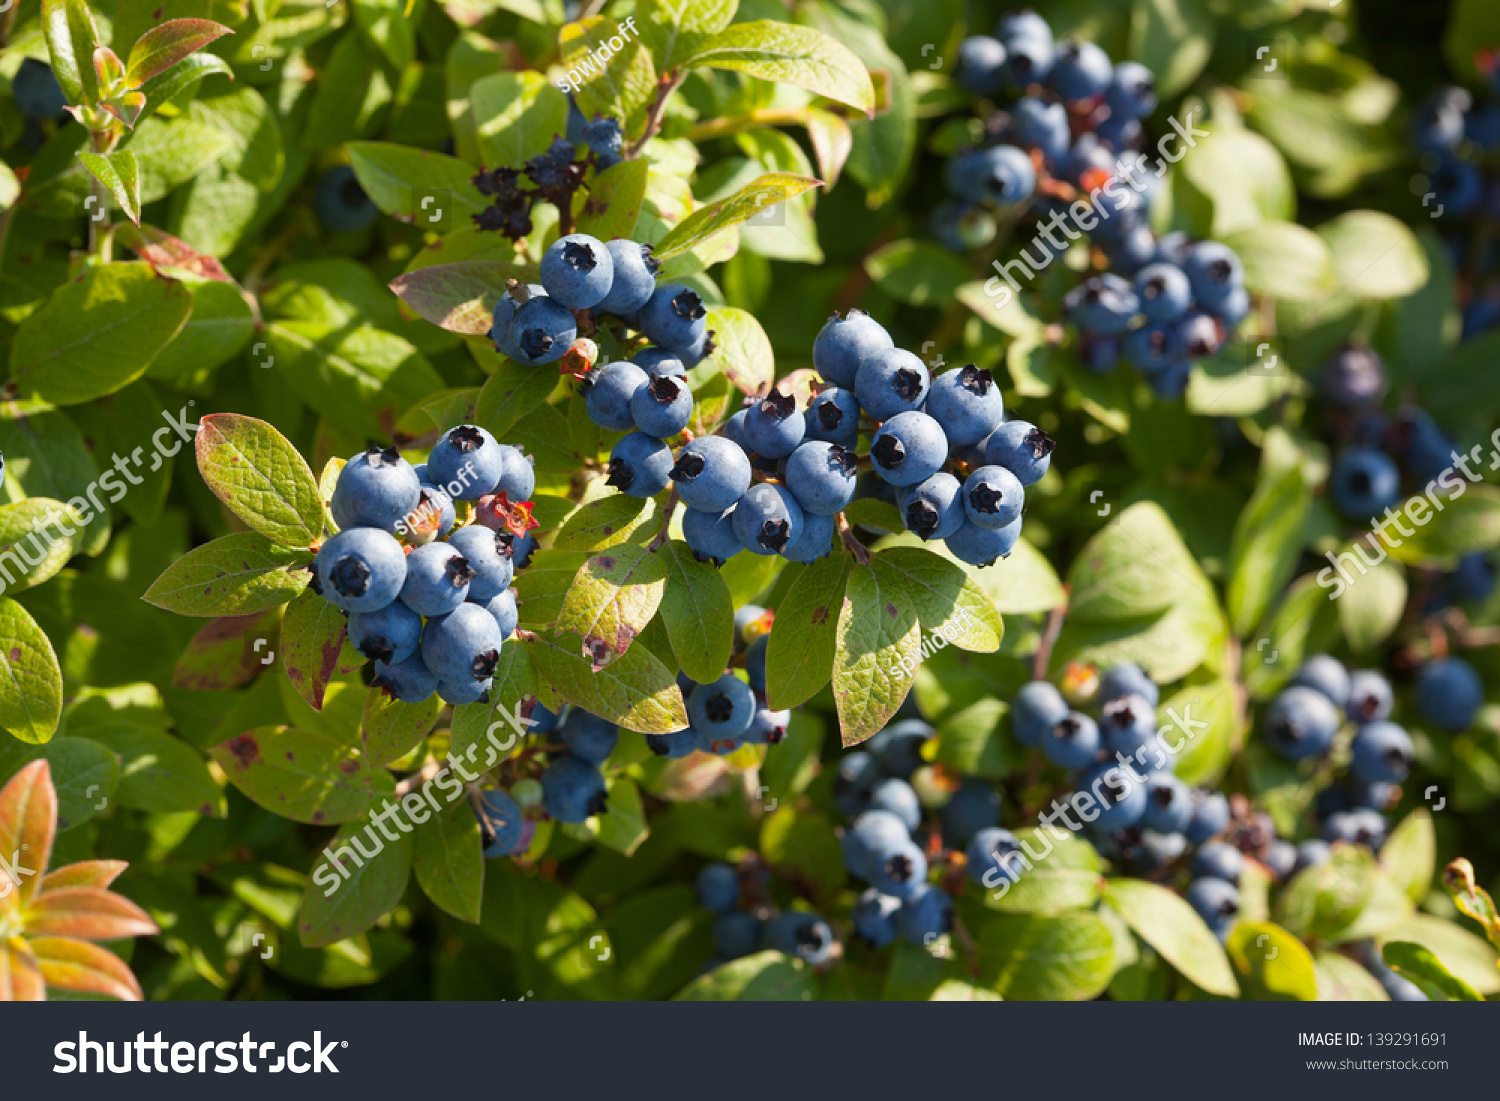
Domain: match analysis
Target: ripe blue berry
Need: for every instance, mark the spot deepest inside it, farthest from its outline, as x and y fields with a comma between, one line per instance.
x=1021, y=448
x=844, y=342
x=674, y=317
x=822, y=477
x=711, y=473
x=1154, y=348
x=1103, y=304
x=502, y=607
x=833, y=416
x=588, y=737
x=736, y=934
x=1361, y=826
x=1217, y=903
x=993, y=498
x=723, y=709
x=662, y=407
x=1169, y=804
x=1132, y=91
x=488, y=555
x=1312, y=853
x=1382, y=753
x=1080, y=70
x=768, y=519
x=1354, y=378
x=1036, y=709
x=409, y=681
x=994, y=856
x=437, y=580
x=934, y=508
x=1210, y=815
x=1327, y=675
x=673, y=745
x=1215, y=272
x=1364, y=482
x=815, y=541
x=909, y=448
x=1301, y=723
x=502, y=821
x=458, y=693
x=773, y=427
x=390, y=634
x=466, y=458
x=634, y=277
x=1028, y=57
x=608, y=393
x=376, y=489
x=980, y=63
x=639, y=465
x=975, y=806
x=711, y=535
x=1128, y=679
x=1164, y=292
x=577, y=271
x=928, y=914
x=966, y=403
x=573, y=790
x=341, y=203
x=1001, y=174
x=1072, y=743
x=37, y=92
x=1200, y=335
x=1120, y=795
x=897, y=797
x=874, y=918
x=605, y=141
x=980, y=546
x=871, y=835
x=659, y=361
x=1128, y=724
x=806, y=936
x=900, y=871
x=1042, y=125
x=463, y=645
x=1449, y=694
x=360, y=569
x=1370, y=697
x=768, y=727
x=541, y=331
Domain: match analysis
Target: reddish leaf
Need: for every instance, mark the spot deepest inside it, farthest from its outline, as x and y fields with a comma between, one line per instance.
x=88, y=913
x=20, y=976
x=166, y=253
x=165, y=45
x=312, y=637
x=86, y=968
x=228, y=652
x=28, y=819
x=461, y=296
x=85, y=873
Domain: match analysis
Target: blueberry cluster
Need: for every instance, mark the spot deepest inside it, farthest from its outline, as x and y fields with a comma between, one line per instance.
x=744, y=922
x=956, y=468
x=1071, y=137
x=1380, y=458
x=429, y=598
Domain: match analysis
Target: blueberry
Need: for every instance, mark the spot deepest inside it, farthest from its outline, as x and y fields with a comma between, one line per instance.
x=900, y=871
x=1121, y=797
x=711, y=474
x=768, y=519
x=375, y=489
x=874, y=918
x=1449, y=694
x=815, y=540
x=833, y=416
x=1023, y=24
x=909, y=448
x=662, y=407
x=466, y=458
x=541, y=331
x=994, y=855
x=1301, y=723
x=390, y=634
x=857, y=773
x=1370, y=698
x=1164, y=292
x=1215, y=272
x=573, y=790
x=1361, y=826
x=806, y=936
x=1233, y=309
x=1475, y=578
x=711, y=535
x=634, y=277
x=608, y=393
x=463, y=645
x=975, y=806
x=544, y=720
x=1042, y=125
x=437, y=580
x=1364, y=482
x=1021, y=448
x=982, y=546
x=1217, y=903
x=723, y=709
x=966, y=403
x=37, y=92
x=1281, y=858
x=458, y=693
x=1127, y=679
x=1132, y=91
x=872, y=835
x=1028, y=58
x=993, y=498
x=1072, y=743
x=1210, y=815
x=1154, y=348
x=980, y=61
x=605, y=141
x=674, y=744
x=488, y=555
x=1037, y=708
x=1134, y=249
x=588, y=737
x=360, y=569
x=341, y=203
x=1001, y=174
x=577, y=271
x=773, y=426
x=1080, y=70
x=897, y=797
x=925, y=916
x=1382, y=753
x=736, y=934
x=822, y=477
x=934, y=508
x=639, y=465
x=1438, y=125
x=674, y=317
x=1103, y=304
x=898, y=747
x=1354, y=378
x=844, y=342
x=1128, y=726
x=659, y=361
x=718, y=887
x=502, y=823
x=1169, y=804
x=1377, y=795
x=408, y=681
x=1457, y=185
x=768, y=727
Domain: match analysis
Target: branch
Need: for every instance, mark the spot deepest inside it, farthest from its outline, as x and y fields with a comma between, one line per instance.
x=1049, y=638
x=666, y=522
x=668, y=84
x=857, y=550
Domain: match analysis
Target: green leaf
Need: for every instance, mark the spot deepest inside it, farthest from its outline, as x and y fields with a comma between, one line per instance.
x=165, y=44
x=30, y=679
x=972, y=743
x=398, y=178
x=612, y=205
x=1409, y=855
x=763, y=977
x=675, y=29
x=877, y=652
x=335, y=909
x=1059, y=872
x=541, y=586
x=449, y=860
x=620, y=87
x=232, y=575
x=1208, y=750
x=221, y=326
x=1374, y=255
x=742, y=351
x=1340, y=979
x=187, y=73
x=697, y=612
x=1416, y=963
x=1267, y=543
x=789, y=54
x=1046, y=957
x=71, y=41
x=919, y=273
x=1285, y=260
x=53, y=533
x=1136, y=566
x=159, y=773
x=389, y=25
x=635, y=690
x=515, y=684
x=605, y=522
x=86, y=776
x=803, y=841
x=714, y=218
x=949, y=602
x=1272, y=964
x=1473, y=27
x=312, y=635
x=622, y=826
x=263, y=479
x=1325, y=901
x=1371, y=607
x=391, y=728
x=121, y=174
x=1466, y=525
x=805, y=636
x=461, y=297
x=1164, y=920
x=97, y=334
x=509, y=394
x=518, y=115
x=1466, y=956
x=1303, y=624
x=302, y=775
x=1172, y=38
x=1237, y=176
x=612, y=598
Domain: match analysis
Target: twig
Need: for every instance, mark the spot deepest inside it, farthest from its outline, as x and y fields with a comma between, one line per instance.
x=857, y=550
x=752, y=120
x=668, y=84
x=1049, y=638
x=416, y=779
x=966, y=942
x=666, y=522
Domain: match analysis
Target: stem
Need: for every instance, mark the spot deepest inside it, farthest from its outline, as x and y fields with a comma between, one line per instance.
x=857, y=550
x=668, y=84
x=416, y=779
x=5, y=232
x=99, y=238
x=1049, y=638
x=753, y=120
x=666, y=522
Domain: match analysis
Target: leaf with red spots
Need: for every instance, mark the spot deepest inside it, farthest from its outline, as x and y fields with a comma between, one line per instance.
x=227, y=652
x=232, y=575
x=799, y=655
x=312, y=637
x=378, y=864
x=302, y=775
x=263, y=479
x=30, y=678
x=612, y=598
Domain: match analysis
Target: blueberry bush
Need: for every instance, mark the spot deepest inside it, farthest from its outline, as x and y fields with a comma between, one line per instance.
x=836, y=499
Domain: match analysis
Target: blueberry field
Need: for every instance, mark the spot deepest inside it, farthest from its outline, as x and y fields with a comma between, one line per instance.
x=780, y=499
